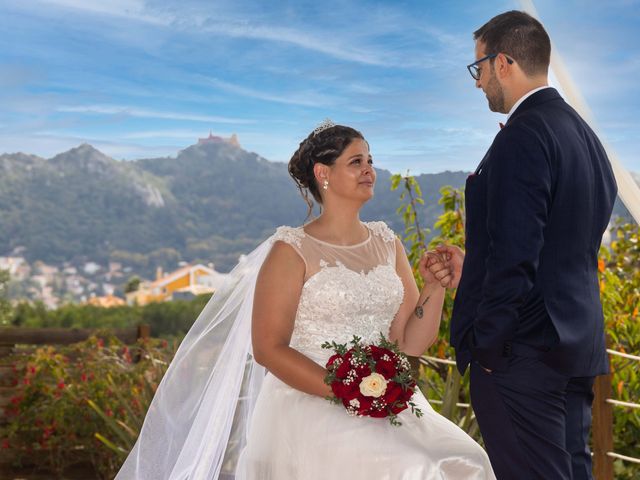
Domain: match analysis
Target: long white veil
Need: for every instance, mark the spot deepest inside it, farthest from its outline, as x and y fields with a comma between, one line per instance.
x=628, y=189
x=196, y=425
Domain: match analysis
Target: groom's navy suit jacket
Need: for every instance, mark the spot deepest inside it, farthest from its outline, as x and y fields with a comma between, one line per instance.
x=537, y=207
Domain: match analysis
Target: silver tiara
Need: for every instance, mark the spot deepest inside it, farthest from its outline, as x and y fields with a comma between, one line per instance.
x=326, y=124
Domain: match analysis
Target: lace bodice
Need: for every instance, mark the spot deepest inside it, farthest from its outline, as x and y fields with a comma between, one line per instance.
x=348, y=290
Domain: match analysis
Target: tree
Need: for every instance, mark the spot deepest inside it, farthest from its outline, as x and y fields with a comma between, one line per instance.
x=132, y=284
x=6, y=309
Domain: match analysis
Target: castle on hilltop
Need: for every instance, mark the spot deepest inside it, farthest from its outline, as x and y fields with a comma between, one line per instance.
x=214, y=139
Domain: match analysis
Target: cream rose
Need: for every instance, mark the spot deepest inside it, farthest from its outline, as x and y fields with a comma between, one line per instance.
x=374, y=385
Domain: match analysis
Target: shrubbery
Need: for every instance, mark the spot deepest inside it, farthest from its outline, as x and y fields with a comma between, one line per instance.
x=167, y=319
x=82, y=403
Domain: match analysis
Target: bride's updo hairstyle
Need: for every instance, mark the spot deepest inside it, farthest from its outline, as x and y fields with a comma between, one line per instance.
x=323, y=147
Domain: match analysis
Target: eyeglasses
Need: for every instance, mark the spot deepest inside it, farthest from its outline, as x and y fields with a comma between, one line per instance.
x=476, y=71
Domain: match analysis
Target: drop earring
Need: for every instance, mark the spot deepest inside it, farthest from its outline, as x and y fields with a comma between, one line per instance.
x=325, y=184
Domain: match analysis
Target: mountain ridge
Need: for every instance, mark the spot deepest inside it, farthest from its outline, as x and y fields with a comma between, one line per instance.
x=209, y=203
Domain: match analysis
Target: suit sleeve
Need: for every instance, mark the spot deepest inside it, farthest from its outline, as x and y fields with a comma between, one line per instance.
x=519, y=185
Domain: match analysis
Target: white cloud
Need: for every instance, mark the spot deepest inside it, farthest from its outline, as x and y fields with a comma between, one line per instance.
x=141, y=112
x=129, y=9
x=343, y=47
x=306, y=99
x=173, y=134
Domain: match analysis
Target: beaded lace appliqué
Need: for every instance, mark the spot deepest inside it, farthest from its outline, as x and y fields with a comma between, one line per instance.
x=382, y=230
x=290, y=235
x=337, y=303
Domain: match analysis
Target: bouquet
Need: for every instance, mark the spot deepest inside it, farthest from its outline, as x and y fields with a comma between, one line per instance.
x=371, y=380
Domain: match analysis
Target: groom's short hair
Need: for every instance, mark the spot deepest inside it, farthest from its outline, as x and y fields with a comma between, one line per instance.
x=520, y=36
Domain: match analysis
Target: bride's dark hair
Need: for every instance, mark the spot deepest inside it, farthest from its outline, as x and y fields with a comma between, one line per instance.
x=322, y=147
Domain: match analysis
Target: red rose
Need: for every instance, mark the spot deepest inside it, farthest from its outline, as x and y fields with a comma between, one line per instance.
x=393, y=393
x=345, y=392
x=362, y=371
x=399, y=407
x=378, y=352
x=378, y=413
x=365, y=404
x=332, y=359
x=386, y=368
x=343, y=369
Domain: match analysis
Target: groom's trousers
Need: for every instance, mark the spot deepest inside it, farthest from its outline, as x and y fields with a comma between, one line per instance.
x=535, y=422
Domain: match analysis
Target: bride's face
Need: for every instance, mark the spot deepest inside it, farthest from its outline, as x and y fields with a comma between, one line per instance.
x=352, y=175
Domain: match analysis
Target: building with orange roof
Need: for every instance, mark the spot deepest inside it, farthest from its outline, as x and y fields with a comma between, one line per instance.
x=186, y=282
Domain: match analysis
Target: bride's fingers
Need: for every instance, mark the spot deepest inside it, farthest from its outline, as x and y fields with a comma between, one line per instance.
x=446, y=280
x=437, y=266
x=432, y=257
x=442, y=274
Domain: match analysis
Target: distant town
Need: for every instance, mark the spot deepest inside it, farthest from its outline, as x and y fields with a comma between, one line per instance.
x=105, y=286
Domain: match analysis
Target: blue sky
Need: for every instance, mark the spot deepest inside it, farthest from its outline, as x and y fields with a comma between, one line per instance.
x=140, y=78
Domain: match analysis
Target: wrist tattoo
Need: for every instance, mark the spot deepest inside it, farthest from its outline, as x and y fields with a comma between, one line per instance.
x=419, y=311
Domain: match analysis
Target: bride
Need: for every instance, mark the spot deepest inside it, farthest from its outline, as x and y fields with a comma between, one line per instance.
x=266, y=418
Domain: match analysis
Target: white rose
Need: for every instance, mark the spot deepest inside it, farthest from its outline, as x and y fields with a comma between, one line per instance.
x=375, y=385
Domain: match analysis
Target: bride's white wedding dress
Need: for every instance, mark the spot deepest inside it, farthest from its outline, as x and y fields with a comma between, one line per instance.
x=349, y=290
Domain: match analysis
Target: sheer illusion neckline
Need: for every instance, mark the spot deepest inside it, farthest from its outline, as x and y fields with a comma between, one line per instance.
x=333, y=245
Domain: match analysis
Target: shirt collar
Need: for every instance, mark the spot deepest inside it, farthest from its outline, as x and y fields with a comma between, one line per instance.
x=523, y=98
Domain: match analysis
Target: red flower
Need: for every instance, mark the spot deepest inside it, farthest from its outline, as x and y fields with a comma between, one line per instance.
x=393, y=393
x=5, y=443
x=83, y=377
x=378, y=413
x=377, y=352
x=344, y=367
x=332, y=359
x=108, y=412
x=60, y=384
x=386, y=368
x=345, y=392
x=47, y=432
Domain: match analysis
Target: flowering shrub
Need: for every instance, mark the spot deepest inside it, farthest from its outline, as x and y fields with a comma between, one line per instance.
x=68, y=399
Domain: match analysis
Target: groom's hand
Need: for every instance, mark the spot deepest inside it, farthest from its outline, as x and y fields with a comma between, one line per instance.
x=454, y=258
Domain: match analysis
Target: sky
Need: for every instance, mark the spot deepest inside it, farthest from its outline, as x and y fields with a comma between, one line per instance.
x=147, y=78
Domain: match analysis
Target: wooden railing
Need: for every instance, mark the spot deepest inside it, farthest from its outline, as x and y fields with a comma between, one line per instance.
x=602, y=433
x=602, y=419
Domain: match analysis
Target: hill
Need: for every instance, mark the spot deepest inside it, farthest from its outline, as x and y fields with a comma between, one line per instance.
x=210, y=203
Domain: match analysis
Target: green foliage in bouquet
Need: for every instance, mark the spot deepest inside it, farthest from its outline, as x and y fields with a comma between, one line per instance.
x=82, y=403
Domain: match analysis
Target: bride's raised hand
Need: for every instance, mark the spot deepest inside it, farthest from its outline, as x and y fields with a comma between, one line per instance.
x=433, y=269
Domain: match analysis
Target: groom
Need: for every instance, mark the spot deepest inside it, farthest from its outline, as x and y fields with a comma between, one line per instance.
x=527, y=314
